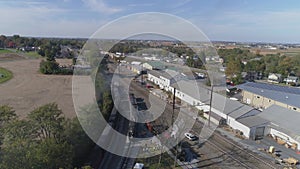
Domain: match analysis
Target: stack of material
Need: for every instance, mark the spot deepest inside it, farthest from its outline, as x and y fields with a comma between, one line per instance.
x=294, y=146
x=280, y=141
x=291, y=161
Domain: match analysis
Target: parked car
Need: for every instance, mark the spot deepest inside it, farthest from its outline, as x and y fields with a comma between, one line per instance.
x=190, y=136
x=149, y=86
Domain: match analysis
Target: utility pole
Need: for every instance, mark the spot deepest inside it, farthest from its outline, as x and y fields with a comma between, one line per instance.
x=175, y=157
x=210, y=104
x=142, y=78
x=174, y=92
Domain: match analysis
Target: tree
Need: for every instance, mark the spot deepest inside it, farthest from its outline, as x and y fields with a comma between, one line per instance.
x=49, y=67
x=51, y=154
x=17, y=144
x=233, y=67
x=37, y=142
x=107, y=104
x=7, y=115
x=47, y=121
x=81, y=143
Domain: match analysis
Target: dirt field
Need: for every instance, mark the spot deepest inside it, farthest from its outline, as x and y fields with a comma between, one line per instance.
x=28, y=89
x=10, y=57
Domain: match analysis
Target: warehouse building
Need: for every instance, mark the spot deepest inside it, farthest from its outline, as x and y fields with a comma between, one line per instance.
x=283, y=125
x=262, y=96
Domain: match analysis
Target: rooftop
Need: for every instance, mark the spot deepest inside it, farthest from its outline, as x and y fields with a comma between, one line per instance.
x=283, y=119
x=287, y=95
x=156, y=64
x=232, y=108
x=252, y=121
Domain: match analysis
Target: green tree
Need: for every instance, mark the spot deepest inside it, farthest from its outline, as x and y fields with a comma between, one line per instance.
x=47, y=121
x=107, y=104
x=17, y=146
x=81, y=143
x=38, y=142
x=233, y=67
x=49, y=67
x=7, y=115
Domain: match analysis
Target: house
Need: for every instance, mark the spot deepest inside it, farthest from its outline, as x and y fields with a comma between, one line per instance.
x=154, y=65
x=274, y=78
x=252, y=76
x=263, y=95
x=284, y=124
x=292, y=80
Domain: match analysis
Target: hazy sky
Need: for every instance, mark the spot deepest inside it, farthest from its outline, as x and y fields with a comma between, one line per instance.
x=237, y=20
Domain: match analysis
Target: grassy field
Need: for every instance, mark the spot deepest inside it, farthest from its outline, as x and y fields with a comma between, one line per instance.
x=2, y=51
x=33, y=55
x=5, y=75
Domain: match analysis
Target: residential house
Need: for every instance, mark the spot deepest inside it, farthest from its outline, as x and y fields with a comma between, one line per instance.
x=292, y=80
x=274, y=78
x=252, y=76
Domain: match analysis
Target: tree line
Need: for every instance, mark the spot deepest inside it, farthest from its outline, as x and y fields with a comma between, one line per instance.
x=16, y=41
x=238, y=60
x=45, y=139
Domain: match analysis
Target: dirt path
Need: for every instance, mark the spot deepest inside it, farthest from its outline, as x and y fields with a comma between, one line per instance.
x=28, y=89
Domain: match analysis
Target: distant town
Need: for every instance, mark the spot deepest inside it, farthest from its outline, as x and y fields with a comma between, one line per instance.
x=255, y=104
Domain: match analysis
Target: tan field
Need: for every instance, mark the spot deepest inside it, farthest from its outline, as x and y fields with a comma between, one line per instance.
x=29, y=89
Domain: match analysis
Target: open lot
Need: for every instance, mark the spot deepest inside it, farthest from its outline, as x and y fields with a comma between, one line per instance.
x=10, y=57
x=29, y=89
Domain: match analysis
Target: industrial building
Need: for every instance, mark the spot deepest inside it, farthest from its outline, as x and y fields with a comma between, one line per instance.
x=283, y=125
x=262, y=95
x=279, y=117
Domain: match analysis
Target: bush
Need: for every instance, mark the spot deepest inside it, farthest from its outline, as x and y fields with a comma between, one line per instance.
x=49, y=67
x=52, y=67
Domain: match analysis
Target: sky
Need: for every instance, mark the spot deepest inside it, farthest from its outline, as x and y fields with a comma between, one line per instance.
x=228, y=20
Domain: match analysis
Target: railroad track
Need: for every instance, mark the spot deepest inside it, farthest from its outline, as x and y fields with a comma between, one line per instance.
x=244, y=156
x=239, y=155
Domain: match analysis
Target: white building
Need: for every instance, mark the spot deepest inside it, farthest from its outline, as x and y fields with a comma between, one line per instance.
x=154, y=65
x=274, y=78
x=237, y=115
x=284, y=124
x=292, y=80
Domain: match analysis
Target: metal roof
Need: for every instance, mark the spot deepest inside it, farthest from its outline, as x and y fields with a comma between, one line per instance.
x=292, y=78
x=266, y=86
x=198, y=91
x=287, y=95
x=158, y=73
x=252, y=121
x=232, y=108
x=156, y=64
x=282, y=118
